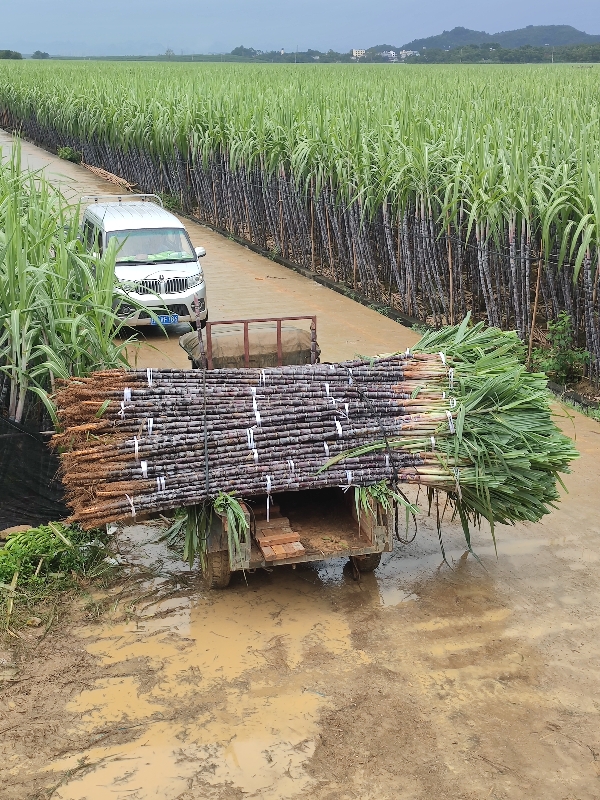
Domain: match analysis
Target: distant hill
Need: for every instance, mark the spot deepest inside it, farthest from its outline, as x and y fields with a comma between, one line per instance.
x=533, y=35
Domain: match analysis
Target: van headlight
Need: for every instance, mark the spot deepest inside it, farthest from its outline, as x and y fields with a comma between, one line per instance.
x=195, y=280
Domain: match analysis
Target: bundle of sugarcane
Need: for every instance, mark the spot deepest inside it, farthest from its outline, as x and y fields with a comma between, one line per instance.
x=459, y=414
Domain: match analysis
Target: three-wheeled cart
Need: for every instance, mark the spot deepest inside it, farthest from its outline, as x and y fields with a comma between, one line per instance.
x=287, y=527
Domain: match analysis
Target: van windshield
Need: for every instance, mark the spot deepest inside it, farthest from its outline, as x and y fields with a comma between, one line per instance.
x=152, y=245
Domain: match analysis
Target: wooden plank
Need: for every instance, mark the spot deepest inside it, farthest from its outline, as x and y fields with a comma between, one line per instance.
x=268, y=553
x=279, y=551
x=279, y=537
x=277, y=522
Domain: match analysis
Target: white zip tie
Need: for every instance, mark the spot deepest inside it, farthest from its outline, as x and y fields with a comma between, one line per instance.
x=131, y=504
x=122, y=411
x=250, y=437
x=160, y=484
x=326, y=446
x=291, y=466
x=339, y=427
x=144, y=468
x=149, y=376
x=432, y=443
x=264, y=377
x=349, y=477
x=136, y=447
x=327, y=389
x=451, y=378
x=332, y=366
x=347, y=407
x=407, y=354
x=150, y=425
x=127, y=395
x=255, y=455
x=452, y=401
x=350, y=377
x=450, y=422
x=443, y=395
x=387, y=459
x=443, y=357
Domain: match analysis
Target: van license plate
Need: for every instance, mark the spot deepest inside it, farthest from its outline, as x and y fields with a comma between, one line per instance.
x=166, y=319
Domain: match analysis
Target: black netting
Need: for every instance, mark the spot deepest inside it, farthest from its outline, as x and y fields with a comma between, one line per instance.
x=31, y=492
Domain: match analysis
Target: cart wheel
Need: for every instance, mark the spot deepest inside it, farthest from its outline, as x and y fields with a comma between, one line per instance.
x=218, y=572
x=367, y=562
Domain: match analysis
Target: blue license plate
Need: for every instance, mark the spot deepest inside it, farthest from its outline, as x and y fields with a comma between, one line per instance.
x=166, y=319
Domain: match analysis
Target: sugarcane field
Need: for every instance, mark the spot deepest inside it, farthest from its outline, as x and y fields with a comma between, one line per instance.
x=299, y=431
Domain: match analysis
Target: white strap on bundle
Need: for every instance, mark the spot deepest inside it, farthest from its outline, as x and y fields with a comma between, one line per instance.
x=291, y=467
x=450, y=422
x=263, y=377
x=122, y=411
x=326, y=446
x=160, y=484
x=268, y=497
x=144, y=468
x=127, y=395
x=407, y=354
x=349, y=476
x=452, y=402
x=327, y=389
x=131, y=504
x=254, y=405
x=451, y=378
x=250, y=436
x=255, y=455
x=350, y=377
x=432, y=443
x=339, y=427
x=443, y=357
x=136, y=448
x=387, y=460
x=346, y=406
x=443, y=395
x=149, y=376
x=332, y=366
x=150, y=425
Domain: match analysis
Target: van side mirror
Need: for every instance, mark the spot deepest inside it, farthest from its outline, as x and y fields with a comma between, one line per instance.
x=200, y=251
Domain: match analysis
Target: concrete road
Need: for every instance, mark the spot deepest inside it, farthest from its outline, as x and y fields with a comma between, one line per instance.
x=241, y=283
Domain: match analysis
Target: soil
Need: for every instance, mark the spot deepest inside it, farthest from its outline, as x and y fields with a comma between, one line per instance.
x=472, y=680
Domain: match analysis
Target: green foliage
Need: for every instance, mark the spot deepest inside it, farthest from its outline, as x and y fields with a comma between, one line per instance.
x=58, y=304
x=562, y=361
x=69, y=154
x=194, y=524
x=51, y=552
x=40, y=54
x=11, y=55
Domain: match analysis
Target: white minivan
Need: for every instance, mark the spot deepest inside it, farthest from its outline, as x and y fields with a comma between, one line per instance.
x=156, y=264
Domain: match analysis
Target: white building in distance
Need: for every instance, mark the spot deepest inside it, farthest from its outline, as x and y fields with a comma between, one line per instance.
x=358, y=53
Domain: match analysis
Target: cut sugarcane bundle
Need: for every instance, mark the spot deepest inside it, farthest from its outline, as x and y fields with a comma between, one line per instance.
x=460, y=414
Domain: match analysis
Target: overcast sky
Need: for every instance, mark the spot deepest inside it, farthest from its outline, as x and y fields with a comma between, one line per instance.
x=145, y=27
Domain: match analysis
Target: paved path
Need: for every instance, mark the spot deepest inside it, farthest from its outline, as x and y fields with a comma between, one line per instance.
x=241, y=283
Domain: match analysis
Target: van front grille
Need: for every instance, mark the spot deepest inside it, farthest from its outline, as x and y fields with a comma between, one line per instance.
x=170, y=286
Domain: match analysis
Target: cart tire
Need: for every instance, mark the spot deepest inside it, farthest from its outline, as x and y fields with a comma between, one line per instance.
x=218, y=571
x=367, y=562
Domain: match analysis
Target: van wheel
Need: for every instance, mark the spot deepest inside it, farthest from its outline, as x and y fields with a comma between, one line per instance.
x=367, y=562
x=218, y=571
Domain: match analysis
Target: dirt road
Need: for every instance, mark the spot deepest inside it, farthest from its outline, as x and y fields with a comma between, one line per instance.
x=422, y=681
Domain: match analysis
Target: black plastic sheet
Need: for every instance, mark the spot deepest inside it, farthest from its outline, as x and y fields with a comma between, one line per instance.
x=31, y=492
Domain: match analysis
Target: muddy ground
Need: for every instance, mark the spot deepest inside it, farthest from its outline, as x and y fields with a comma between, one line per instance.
x=474, y=680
